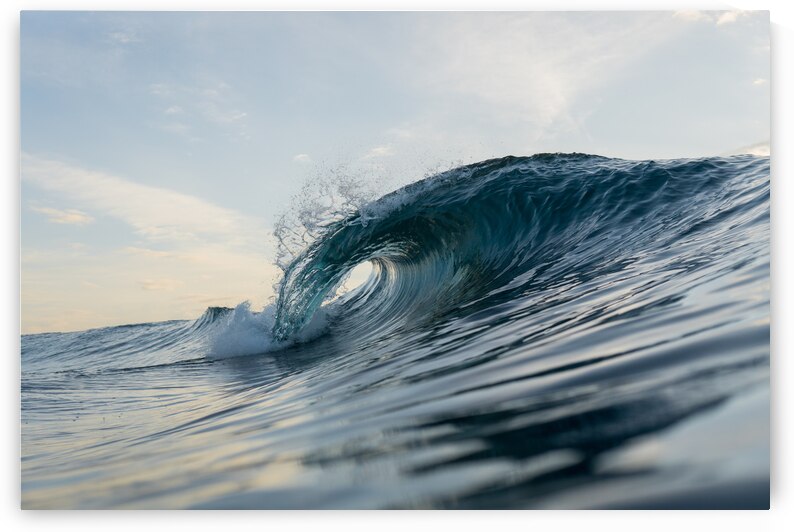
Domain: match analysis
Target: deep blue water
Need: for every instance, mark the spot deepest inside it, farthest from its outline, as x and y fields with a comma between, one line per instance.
x=564, y=331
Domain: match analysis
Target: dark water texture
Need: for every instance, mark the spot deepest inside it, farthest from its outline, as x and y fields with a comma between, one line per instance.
x=564, y=331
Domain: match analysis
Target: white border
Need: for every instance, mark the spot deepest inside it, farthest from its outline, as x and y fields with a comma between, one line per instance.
x=782, y=272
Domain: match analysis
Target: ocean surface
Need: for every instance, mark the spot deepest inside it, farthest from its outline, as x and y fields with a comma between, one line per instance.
x=555, y=331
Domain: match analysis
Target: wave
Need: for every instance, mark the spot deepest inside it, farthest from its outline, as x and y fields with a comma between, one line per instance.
x=455, y=244
x=471, y=237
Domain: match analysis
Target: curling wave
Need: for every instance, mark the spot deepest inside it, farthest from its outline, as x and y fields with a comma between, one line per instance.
x=470, y=238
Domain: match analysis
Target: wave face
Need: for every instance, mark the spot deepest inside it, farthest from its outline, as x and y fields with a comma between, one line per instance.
x=552, y=331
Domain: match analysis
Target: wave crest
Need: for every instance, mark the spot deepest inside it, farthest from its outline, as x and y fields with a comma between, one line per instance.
x=454, y=240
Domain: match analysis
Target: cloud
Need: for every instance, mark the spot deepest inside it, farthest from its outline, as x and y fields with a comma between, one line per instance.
x=157, y=214
x=386, y=150
x=719, y=18
x=530, y=69
x=68, y=216
x=728, y=17
x=184, y=254
x=214, y=102
x=760, y=81
x=214, y=112
x=302, y=158
x=124, y=36
x=760, y=149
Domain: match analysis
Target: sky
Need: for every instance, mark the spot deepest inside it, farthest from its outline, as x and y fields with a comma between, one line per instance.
x=158, y=149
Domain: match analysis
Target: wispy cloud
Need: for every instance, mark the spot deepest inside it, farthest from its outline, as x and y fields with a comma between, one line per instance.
x=385, y=150
x=124, y=36
x=183, y=253
x=217, y=113
x=302, y=158
x=528, y=68
x=157, y=214
x=212, y=102
x=728, y=17
x=64, y=216
x=760, y=149
x=760, y=81
x=719, y=18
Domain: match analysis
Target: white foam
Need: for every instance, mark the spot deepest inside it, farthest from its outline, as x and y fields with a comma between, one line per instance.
x=243, y=333
x=249, y=333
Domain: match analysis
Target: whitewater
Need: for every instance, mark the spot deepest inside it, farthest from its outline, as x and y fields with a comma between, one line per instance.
x=554, y=331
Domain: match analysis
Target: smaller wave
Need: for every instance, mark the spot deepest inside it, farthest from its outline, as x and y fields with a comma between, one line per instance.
x=209, y=317
x=245, y=332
